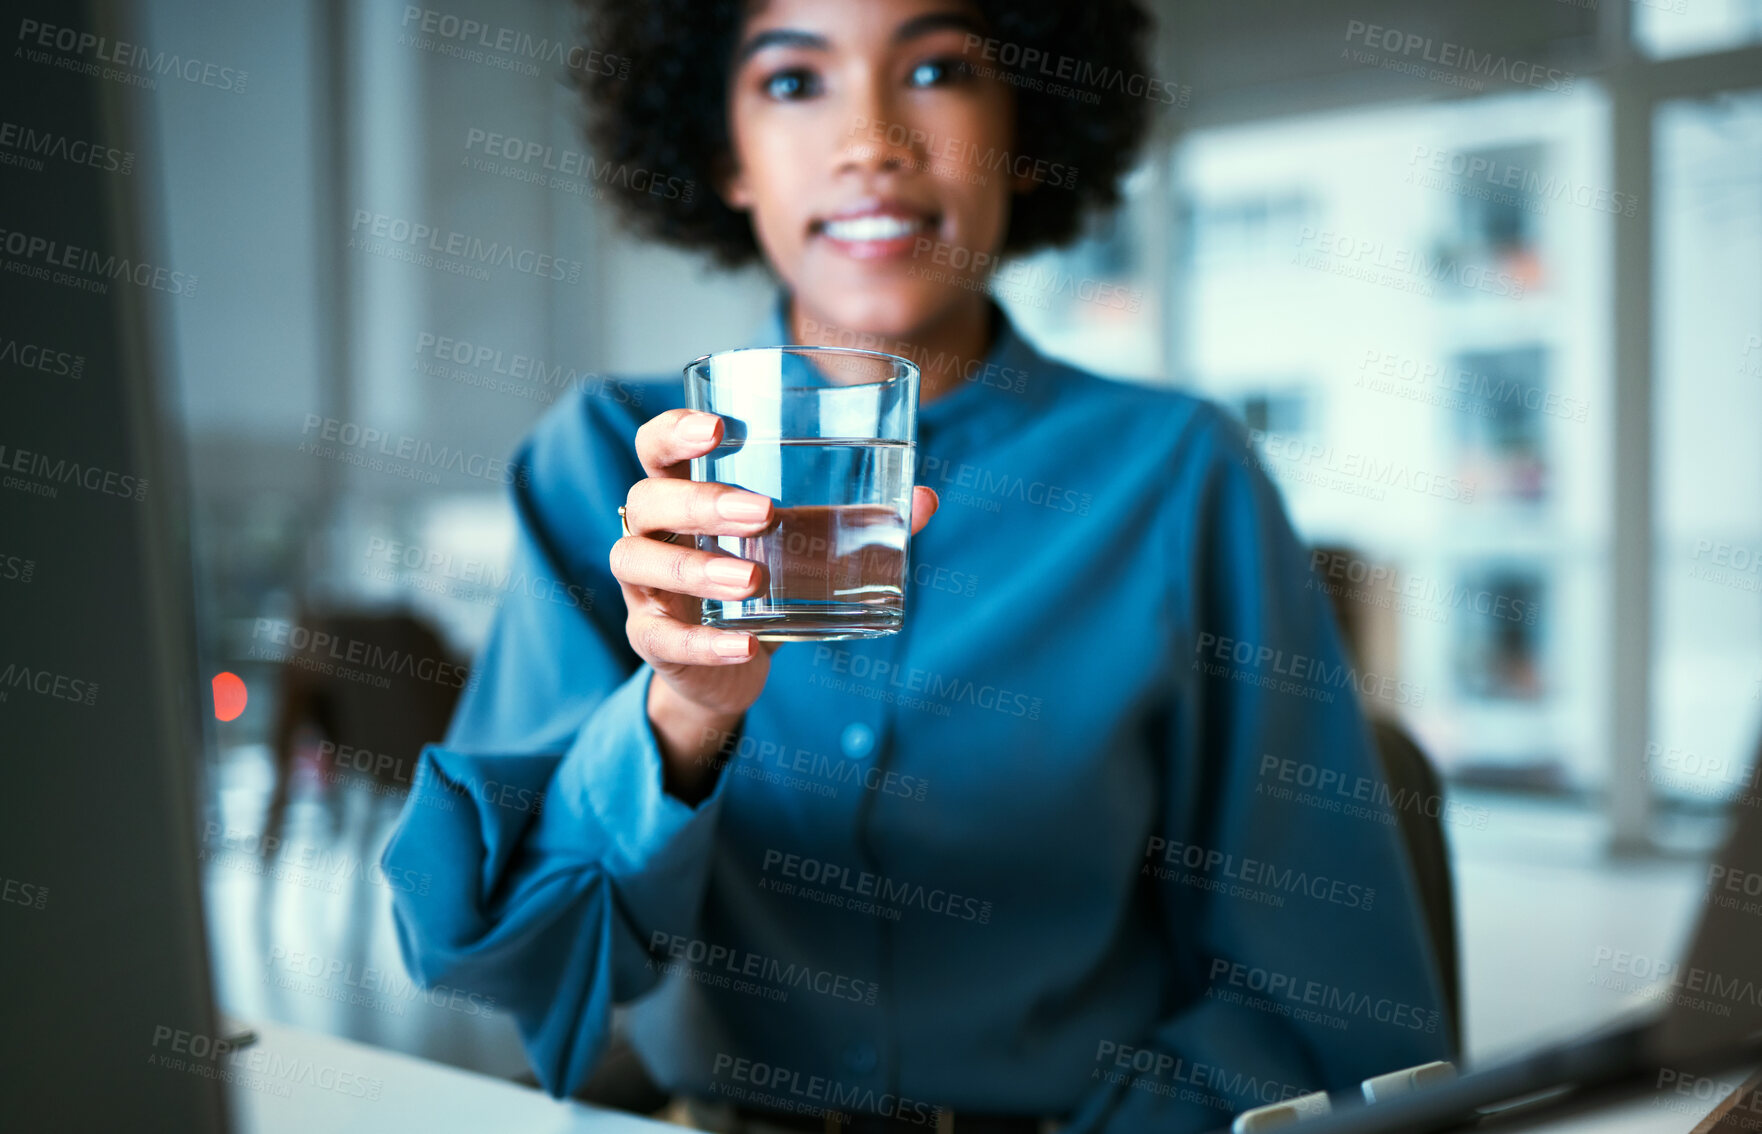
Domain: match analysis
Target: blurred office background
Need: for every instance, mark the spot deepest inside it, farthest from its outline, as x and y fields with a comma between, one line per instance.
x=1497, y=326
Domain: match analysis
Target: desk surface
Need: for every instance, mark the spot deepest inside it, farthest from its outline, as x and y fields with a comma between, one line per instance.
x=1656, y=1114
x=295, y=1082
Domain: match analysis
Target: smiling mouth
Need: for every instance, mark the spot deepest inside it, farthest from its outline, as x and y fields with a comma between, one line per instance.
x=874, y=235
x=873, y=227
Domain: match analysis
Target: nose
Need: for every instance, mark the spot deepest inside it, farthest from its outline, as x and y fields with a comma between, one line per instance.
x=877, y=140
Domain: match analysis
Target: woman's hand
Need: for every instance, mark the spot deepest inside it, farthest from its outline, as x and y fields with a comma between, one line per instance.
x=708, y=678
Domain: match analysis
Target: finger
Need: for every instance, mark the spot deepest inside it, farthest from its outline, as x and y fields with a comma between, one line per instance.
x=668, y=440
x=925, y=502
x=663, y=504
x=640, y=562
x=661, y=640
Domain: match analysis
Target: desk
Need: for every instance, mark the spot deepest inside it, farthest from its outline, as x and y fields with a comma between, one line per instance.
x=1654, y=1114
x=297, y=1082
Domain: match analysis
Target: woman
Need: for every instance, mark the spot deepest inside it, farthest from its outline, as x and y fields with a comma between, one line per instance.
x=1045, y=854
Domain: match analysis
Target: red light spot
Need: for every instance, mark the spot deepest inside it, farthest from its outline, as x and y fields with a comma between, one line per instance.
x=229, y=696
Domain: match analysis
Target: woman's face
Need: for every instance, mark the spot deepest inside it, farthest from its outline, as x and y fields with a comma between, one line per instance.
x=870, y=160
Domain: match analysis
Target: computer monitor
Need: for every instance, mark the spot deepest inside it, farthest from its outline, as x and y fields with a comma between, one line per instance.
x=109, y=1013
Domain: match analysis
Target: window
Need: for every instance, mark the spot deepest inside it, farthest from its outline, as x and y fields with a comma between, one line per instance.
x=1406, y=307
x=1707, y=562
x=1668, y=28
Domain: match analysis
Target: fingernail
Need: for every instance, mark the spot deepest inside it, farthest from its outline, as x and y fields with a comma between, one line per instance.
x=743, y=507
x=698, y=427
x=730, y=645
x=729, y=573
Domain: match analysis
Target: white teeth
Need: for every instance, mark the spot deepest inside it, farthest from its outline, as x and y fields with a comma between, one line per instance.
x=871, y=228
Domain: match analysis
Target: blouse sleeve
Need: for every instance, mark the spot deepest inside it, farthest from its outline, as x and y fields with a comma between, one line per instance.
x=1297, y=954
x=549, y=848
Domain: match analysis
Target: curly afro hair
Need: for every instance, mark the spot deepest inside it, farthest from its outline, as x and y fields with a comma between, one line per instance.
x=662, y=109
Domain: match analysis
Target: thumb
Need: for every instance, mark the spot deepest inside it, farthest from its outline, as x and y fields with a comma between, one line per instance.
x=925, y=502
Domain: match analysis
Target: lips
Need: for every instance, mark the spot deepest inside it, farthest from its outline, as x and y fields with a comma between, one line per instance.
x=874, y=230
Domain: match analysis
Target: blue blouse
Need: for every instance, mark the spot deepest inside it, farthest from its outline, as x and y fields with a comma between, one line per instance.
x=1099, y=835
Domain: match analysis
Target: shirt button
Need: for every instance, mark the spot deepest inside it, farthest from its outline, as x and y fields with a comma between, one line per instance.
x=860, y=1057
x=858, y=740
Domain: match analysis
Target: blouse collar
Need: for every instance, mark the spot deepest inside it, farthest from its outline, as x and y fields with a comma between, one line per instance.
x=1013, y=378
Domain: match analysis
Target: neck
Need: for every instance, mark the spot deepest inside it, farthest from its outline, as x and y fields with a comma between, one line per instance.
x=944, y=351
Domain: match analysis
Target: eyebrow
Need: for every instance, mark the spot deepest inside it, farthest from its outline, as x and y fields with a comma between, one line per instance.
x=934, y=22
x=779, y=37
x=911, y=29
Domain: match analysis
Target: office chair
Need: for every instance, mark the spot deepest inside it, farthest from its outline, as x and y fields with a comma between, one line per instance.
x=1410, y=777
x=375, y=733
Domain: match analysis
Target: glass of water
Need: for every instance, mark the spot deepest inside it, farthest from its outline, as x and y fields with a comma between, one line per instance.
x=829, y=434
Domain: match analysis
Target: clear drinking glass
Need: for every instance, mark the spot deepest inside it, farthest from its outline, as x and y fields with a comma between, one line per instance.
x=830, y=435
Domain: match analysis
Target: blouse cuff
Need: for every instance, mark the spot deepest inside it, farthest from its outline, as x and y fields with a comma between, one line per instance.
x=610, y=781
